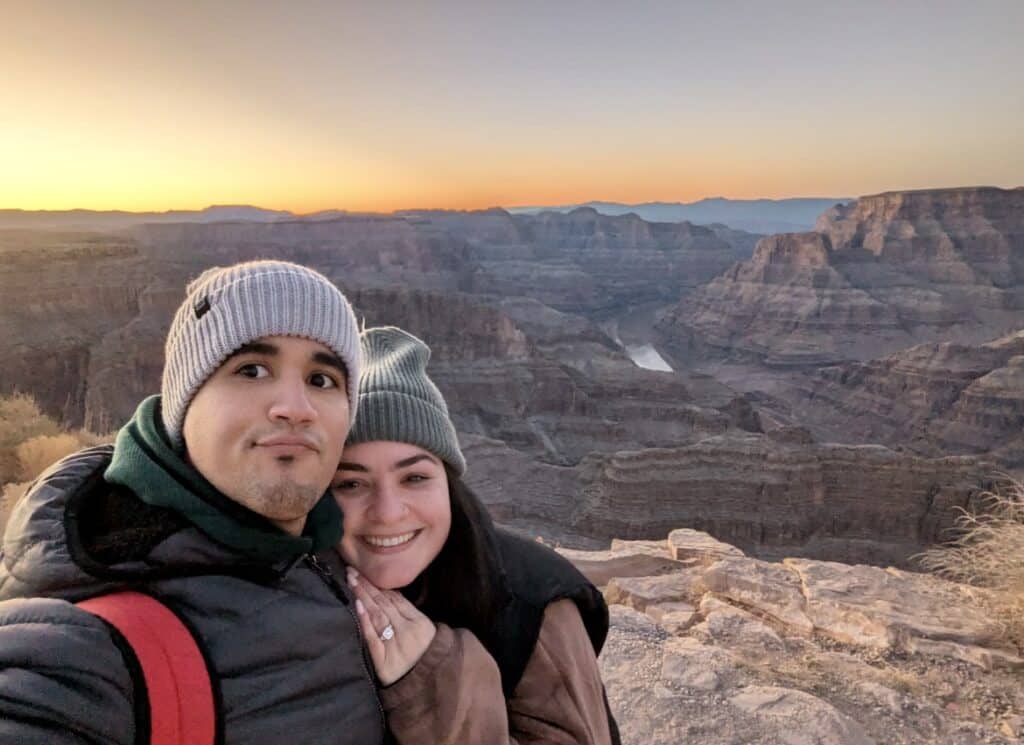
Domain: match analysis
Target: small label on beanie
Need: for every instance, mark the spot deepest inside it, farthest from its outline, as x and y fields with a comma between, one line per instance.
x=202, y=307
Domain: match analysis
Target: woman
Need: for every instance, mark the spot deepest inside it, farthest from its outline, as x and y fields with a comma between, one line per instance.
x=476, y=635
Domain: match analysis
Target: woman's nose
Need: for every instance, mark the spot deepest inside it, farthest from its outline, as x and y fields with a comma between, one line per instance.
x=388, y=505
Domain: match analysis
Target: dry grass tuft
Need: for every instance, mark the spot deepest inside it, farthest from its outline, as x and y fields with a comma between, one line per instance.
x=37, y=454
x=989, y=552
x=30, y=442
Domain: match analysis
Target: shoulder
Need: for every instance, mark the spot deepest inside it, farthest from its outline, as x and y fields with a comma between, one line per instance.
x=537, y=576
x=560, y=696
x=34, y=541
x=523, y=559
x=61, y=671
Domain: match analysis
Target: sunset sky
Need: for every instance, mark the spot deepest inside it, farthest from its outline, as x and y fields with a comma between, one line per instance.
x=388, y=105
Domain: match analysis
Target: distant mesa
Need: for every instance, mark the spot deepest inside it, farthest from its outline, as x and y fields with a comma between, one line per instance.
x=876, y=275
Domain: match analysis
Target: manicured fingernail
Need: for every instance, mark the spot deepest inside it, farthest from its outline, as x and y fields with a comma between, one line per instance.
x=360, y=608
x=352, y=581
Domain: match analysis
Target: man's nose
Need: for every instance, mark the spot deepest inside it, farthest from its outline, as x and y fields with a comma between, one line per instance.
x=292, y=402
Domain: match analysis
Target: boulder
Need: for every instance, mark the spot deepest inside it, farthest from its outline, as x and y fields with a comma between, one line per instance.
x=802, y=719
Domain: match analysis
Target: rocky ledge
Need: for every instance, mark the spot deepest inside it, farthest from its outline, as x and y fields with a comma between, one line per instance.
x=709, y=643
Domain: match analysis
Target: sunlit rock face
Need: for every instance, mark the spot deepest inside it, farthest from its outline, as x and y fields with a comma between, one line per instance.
x=877, y=275
x=735, y=649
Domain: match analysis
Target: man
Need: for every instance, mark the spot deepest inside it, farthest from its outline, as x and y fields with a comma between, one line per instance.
x=214, y=500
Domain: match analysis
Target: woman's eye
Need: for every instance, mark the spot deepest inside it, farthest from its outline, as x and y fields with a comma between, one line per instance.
x=253, y=370
x=416, y=478
x=322, y=380
x=345, y=485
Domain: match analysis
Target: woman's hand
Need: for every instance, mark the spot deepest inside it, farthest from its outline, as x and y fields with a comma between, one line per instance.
x=395, y=630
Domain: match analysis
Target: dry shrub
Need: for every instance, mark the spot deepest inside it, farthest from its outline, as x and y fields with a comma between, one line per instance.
x=989, y=552
x=37, y=454
x=20, y=420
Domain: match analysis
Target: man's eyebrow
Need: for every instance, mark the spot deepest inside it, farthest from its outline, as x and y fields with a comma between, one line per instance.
x=331, y=360
x=256, y=347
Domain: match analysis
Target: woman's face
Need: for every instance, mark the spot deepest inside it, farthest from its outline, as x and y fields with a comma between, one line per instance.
x=397, y=511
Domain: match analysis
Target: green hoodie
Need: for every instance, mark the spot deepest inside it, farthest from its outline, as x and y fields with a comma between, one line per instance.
x=145, y=462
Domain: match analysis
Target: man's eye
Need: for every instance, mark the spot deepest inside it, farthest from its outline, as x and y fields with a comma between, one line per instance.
x=253, y=370
x=322, y=380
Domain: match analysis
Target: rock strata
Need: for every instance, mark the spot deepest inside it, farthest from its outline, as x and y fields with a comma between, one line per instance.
x=931, y=399
x=879, y=274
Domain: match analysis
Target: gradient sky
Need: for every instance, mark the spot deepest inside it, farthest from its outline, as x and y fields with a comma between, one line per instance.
x=388, y=105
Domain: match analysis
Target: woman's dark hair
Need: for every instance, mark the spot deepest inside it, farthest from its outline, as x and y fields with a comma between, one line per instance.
x=464, y=585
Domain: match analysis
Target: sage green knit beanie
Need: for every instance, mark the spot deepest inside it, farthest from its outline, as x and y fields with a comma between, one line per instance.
x=398, y=402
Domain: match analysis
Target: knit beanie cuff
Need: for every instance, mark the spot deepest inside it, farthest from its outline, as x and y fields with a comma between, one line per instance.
x=399, y=417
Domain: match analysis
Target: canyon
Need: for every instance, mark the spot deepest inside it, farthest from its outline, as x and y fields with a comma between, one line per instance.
x=834, y=394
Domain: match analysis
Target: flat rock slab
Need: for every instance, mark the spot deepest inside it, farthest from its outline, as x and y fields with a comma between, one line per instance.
x=802, y=719
x=634, y=559
x=731, y=627
x=770, y=589
x=639, y=592
x=685, y=543
x=889, y=608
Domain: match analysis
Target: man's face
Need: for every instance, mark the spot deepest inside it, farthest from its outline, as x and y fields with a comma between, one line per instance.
x=267, y=428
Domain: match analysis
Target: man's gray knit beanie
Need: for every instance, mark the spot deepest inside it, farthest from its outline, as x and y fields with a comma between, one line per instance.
x=398, y=402
x=228, y=307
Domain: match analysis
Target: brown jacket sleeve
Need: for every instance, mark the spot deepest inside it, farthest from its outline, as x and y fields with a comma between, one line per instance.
x=453, y=694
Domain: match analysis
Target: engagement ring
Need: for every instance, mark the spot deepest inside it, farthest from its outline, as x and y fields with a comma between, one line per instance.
x=387, y=633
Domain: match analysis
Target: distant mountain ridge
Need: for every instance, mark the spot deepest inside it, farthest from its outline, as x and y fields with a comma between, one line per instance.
x=764, y=216
x=116, y=219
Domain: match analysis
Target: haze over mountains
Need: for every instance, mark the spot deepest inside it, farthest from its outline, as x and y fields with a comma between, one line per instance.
x=752, y=215
x=797, y=413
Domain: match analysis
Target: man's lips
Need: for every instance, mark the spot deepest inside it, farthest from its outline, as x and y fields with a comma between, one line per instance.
x=287, y=444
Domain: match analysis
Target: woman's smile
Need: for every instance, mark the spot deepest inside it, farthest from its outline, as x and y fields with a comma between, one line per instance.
x=390, y=543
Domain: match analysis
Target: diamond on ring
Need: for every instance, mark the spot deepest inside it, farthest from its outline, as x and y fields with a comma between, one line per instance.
x=388, y=633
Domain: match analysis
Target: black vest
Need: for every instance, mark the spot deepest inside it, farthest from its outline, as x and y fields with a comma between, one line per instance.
x=535, y=576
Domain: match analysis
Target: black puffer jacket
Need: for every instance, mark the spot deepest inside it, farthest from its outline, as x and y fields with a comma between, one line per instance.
x=283, y=641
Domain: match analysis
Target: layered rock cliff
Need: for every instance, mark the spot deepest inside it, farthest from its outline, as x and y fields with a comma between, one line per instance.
x=931, y=398
x=586, y=262
x=877, y=275
x=770, y=496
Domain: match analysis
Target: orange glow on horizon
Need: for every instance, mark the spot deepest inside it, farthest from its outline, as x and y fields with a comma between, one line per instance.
x=359, y=107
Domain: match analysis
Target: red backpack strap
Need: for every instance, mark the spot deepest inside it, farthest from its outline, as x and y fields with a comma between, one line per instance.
x=178, y=684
